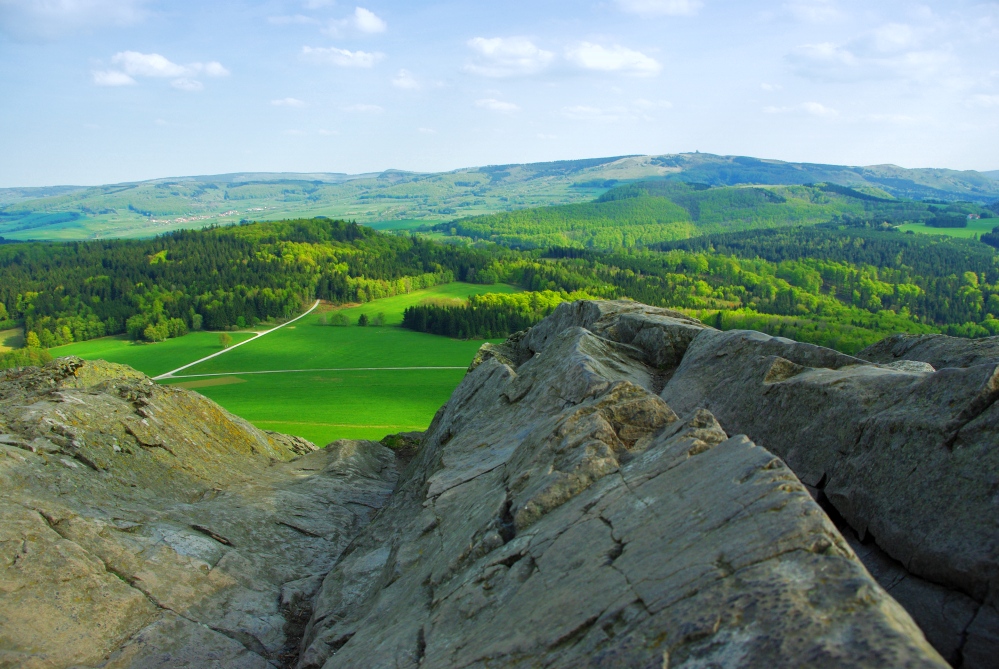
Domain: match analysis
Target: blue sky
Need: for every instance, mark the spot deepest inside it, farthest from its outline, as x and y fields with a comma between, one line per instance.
x=101, y=91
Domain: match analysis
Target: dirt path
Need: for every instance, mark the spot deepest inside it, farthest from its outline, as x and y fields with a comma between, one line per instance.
x=255, y=337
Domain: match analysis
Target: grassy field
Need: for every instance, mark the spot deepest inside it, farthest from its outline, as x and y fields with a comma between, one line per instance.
x=152, y=359
x=975, y=228
x=348, y=401
x=11, y=339
x=324, y=406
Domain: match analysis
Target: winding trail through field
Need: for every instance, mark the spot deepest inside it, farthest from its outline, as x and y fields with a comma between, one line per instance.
x=255, y=337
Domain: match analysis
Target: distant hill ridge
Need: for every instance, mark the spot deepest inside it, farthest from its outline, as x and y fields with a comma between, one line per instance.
x=146, y=208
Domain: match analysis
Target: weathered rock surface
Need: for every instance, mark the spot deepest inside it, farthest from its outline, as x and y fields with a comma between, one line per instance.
x=559, y=513
x=937, y=350
x=143, y=526
x=906, y=456
x=618, y=486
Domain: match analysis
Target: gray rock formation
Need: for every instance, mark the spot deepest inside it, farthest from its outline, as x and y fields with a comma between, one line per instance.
x=559, y=513
x=937, y=350
x=143, y=526
x=618, y=486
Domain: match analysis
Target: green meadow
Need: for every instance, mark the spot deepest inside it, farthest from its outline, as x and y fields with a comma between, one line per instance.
x=151, y=359
x=11, y=339
x=974, y=229
x=320, y=382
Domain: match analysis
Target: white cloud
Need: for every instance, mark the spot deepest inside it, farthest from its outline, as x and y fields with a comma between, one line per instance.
x=52, y=19
x=327, y=133
x=405, y=80
x=771, y=88
x=288, y=102
x=812, y=108
x=364, y=109
x=215, y=69
x=189, y=85
x=362, y=21
x=426, y=131
x=617, y=58
x=133, y=64
x=814, y=11
x=367, y=22
x=112, y=78
x=891, y=51
x=139, y=64
x=542, y=135
x=661, y=7
x=342, y=57
x=147, y=65
x=507, y=57
x=495, y=105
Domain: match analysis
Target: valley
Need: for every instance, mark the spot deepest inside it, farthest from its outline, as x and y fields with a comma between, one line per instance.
x=320, y=382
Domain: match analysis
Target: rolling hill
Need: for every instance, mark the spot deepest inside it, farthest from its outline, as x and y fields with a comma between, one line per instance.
x=405, y=200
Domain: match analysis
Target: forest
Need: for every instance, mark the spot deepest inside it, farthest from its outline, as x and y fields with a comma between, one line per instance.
x=651, y=212
x=216, y=279
x=822, y=263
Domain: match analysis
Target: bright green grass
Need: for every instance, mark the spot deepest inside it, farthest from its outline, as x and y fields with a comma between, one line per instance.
x=308, y=345
x=974, y=228
x=319, y=406
x=11, y=339
x=151, y=359
x=323, y=407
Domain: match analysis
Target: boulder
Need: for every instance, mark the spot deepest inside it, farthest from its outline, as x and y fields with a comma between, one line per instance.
x=560, y=513
x=143, y=525
x=906, y=456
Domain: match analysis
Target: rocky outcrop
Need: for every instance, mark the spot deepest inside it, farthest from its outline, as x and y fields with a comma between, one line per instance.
x=906, y=456
x=617, y=486
x=939, y=351
x=560, y=513
x=142, y=525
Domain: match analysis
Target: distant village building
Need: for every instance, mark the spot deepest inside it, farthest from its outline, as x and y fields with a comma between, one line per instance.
x=973, y=217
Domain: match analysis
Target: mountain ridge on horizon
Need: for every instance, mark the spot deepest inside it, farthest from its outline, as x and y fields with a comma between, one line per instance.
x=400, y=199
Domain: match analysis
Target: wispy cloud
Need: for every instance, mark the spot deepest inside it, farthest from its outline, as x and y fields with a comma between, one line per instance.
x=133, y=64
x=112, y=78
x=53, y=19
x=636, y=110
x=813, y=108
x=362, y=21
x=986, y=101
x=661, y=7
x=288, y=102
x=616, y=58
x=492, y=104
x=405, y=80
x=189, y=85
x=814, y=11
x=890, y=51
x=342, y=57
x=506, y=57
